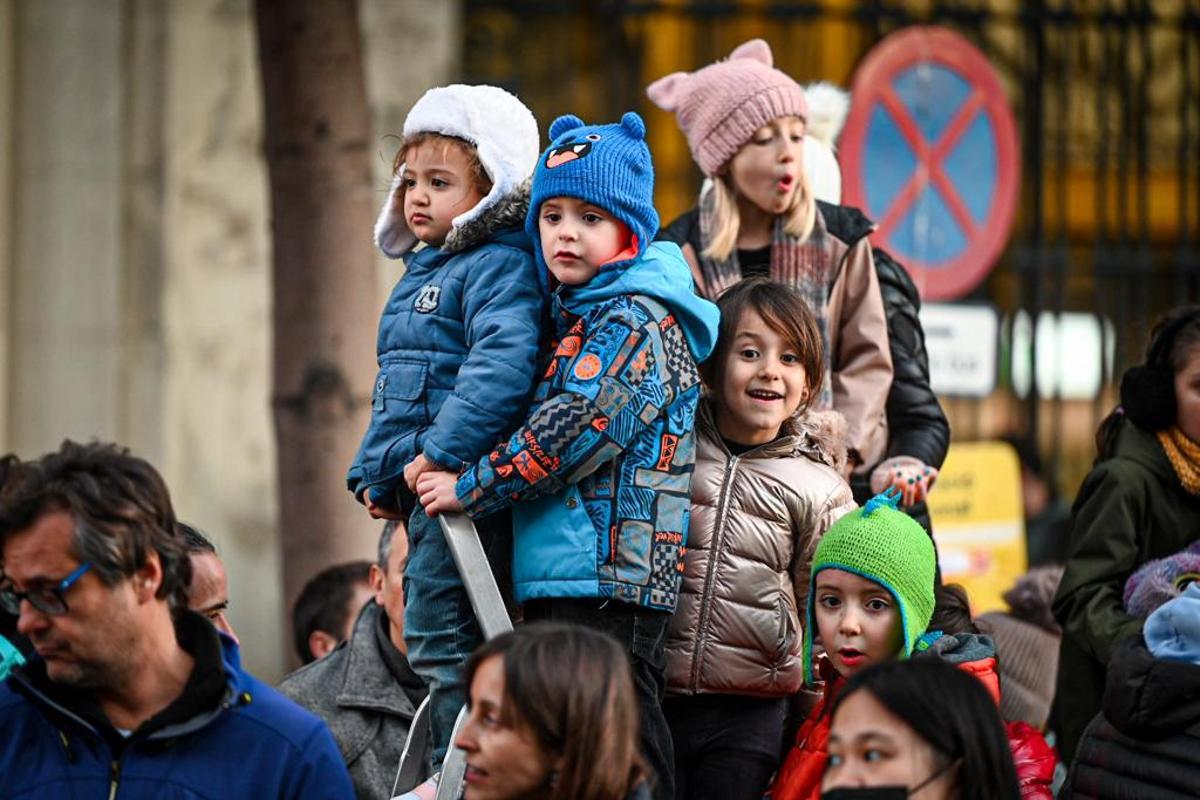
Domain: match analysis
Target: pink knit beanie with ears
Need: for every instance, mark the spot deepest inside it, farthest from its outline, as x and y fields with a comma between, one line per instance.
x=720, y=106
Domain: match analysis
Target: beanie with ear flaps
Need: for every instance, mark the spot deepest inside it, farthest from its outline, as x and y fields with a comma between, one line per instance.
x=503, y=131
x=719, y=107
x=882, y=544
x=608, y=166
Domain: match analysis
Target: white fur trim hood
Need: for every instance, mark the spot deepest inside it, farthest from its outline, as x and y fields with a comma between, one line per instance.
x=504, y=133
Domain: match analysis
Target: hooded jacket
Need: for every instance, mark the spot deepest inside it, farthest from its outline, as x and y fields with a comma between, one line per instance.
x=600, y=473
x=756, y=520
x=458, y=344
x=1130, y=509
x=1146, y=743
x=252, y=742
x=368, y=709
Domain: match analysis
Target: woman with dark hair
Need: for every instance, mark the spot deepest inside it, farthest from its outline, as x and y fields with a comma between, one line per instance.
x=922, y=729
x=553, y=716
x=1141, y=501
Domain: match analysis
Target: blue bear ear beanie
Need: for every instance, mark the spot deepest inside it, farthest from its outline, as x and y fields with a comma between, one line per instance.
x=608, y=166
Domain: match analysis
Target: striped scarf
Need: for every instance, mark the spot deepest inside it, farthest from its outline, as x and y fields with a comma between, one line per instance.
x=807, y=268
x=1184, y=455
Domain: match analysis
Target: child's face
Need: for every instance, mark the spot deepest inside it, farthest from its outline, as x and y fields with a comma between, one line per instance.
x=762, y=382
x=578, y=238
x=858, y=620
x=438, y=186
x=766, y=171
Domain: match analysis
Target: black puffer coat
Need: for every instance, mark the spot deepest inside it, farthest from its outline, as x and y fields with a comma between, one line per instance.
x=917, y=426
x=1146, y=743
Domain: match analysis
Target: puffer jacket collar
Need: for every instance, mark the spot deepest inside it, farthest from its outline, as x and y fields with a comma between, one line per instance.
x=817, y=435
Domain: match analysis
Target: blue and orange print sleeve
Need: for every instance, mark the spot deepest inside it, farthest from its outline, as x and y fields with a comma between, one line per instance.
x=598, y=393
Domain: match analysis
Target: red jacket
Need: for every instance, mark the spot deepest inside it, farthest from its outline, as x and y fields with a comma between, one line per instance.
x=799, y=778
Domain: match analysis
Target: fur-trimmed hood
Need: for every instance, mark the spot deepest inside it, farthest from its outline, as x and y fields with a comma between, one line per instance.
x=507, y=212
x=817, y=435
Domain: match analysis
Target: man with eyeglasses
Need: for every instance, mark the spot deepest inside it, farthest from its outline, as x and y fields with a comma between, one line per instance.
x=129, y=693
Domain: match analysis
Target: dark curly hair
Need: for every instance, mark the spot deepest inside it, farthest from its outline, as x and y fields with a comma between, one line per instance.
x=121, y=507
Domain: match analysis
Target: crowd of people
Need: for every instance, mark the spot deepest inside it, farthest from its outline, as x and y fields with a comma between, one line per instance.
x=696, y=458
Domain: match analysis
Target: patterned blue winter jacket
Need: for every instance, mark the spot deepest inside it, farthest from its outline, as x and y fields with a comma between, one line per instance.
x=458, y=345
x=600, y=474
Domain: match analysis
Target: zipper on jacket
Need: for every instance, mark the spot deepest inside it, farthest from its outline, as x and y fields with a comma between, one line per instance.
x=114, y=772
x=710, y=578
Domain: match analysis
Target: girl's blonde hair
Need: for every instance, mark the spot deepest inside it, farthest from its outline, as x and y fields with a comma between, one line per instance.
x=800, y=215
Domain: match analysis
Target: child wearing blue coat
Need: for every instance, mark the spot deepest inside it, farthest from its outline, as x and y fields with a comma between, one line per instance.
x=600, y=474
x=457, y=350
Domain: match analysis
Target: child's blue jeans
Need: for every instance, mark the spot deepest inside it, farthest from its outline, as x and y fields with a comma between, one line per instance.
x=439, y=625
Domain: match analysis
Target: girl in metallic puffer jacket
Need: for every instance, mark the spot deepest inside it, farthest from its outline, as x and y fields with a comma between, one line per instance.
x=767, y=485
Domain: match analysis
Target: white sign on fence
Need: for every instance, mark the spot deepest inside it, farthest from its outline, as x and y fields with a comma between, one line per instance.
x=962, y=341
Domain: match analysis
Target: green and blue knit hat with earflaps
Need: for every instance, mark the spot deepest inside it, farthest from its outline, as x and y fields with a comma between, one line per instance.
x=882, y=544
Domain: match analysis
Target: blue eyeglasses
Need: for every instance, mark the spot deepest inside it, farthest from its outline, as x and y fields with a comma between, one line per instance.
x=50, y=599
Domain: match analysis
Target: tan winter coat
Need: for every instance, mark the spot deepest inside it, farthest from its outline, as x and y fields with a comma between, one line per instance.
x=756, y=520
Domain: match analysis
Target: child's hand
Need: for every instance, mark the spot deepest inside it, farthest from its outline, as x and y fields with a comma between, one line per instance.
x=415, y=468
x=910, y=475
x=383, y=512
x=435, y=488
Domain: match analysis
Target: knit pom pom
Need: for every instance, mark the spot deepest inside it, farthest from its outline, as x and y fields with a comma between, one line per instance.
x=885, y=499
x=755, y=49
x=567, y=122
x=633, y=125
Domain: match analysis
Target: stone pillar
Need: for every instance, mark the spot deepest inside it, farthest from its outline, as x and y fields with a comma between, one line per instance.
x=66, y=223
x=219, y=445
x=8, y=61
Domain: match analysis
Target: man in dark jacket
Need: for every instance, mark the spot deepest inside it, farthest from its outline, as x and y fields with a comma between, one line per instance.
x=365, y=689
x=130, y=694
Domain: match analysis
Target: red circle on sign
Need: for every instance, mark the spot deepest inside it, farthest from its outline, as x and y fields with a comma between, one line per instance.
x=873, y=87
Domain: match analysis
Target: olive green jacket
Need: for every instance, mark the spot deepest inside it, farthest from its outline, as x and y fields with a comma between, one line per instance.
x=1130, y=509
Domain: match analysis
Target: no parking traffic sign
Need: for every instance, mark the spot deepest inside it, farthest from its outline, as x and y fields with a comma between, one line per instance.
x=930, y=153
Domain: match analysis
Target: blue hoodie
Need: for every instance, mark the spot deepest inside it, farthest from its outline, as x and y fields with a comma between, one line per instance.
x=600, y=473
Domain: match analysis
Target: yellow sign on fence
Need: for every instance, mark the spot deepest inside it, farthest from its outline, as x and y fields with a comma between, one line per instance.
x=978, y=521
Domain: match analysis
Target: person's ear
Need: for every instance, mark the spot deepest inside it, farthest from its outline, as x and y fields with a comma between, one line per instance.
x=375, y=580
x=321, y=643
x=148, y=578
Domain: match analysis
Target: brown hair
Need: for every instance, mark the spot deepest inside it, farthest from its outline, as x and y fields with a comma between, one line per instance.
x=478, y=175
x=121, y=509
x=571, y=687
x=785, y=312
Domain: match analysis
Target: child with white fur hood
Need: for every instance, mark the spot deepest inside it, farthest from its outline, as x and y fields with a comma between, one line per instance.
x=458, y=344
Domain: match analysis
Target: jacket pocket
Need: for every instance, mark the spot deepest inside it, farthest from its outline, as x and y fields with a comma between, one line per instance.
x=785, y=635
x=399, y=395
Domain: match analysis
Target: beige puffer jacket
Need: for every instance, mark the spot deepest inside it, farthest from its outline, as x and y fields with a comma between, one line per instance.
x=756, y=520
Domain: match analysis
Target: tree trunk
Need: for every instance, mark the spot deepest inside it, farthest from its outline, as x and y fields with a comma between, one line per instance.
x=317, y=127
